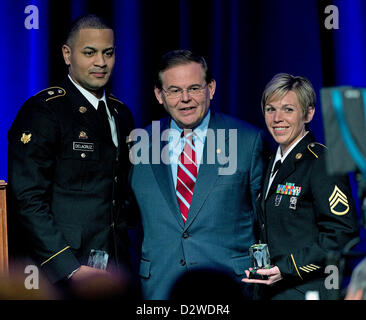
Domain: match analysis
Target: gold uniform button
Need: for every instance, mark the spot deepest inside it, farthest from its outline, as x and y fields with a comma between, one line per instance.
x=82, y=109
x=299, y=156
x=83, y=155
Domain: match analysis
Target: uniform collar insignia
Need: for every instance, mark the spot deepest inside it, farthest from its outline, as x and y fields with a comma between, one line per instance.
x=26, y=138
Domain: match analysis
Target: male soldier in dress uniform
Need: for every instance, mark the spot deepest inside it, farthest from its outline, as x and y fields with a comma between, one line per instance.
x=68, y=164
x=305, y=214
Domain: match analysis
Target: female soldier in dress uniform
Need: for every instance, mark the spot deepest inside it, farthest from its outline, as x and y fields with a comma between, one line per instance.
x=304, y=213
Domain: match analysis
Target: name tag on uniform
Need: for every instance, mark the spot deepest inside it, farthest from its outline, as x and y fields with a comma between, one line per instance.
x=82, y=146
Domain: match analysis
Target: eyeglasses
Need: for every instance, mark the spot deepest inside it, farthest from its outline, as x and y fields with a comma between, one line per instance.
x=176, y=92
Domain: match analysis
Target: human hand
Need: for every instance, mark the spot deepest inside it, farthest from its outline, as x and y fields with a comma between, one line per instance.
x=354, y=295
x=274, y=275
x=86, y=272
x=92, y=283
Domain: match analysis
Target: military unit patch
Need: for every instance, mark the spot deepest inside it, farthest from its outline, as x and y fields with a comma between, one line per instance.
x=338, y=202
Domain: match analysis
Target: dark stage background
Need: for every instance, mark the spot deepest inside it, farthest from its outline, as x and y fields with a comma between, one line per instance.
x=245, y=43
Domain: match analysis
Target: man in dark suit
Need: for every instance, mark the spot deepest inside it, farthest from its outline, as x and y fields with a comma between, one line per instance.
x=304, y=213
x=68, y=164
x=196, y=194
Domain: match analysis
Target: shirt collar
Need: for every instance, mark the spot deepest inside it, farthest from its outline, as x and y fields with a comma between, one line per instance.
x=94, y=101
x=278, y=153
x=199, y=131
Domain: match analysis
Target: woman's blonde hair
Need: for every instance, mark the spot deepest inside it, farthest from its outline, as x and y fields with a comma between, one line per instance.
x=282, y=83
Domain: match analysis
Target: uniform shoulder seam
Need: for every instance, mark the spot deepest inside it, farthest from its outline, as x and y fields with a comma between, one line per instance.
x=51, y=93
x=112, y=97
x=311, y=147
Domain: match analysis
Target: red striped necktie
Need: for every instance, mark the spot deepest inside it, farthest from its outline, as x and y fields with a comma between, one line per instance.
x=187, y=175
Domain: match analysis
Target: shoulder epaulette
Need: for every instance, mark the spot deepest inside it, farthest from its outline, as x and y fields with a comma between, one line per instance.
x=315, y=148
x=112, y=97
x=51, y=93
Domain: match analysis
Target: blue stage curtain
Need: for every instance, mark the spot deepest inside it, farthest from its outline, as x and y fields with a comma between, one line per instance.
x=24, y=55
x=128, y=72
x=350, y=43
x=245, y=42
x=350, y=61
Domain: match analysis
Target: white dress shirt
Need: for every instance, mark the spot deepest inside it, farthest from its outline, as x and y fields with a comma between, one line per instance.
x=176, y=143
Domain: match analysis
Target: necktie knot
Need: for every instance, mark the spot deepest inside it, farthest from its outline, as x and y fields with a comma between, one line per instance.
x=187, y=135
x=102, y=109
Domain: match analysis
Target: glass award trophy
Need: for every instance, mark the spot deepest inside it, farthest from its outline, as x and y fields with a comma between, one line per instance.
x=98, y=259
x=259, y=256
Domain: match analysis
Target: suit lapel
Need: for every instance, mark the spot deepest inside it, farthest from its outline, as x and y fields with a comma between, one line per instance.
x=163, y=176
x=287, y=167
x=207, y=174
x=114, y=113
x=84, y=112
x=266, y=181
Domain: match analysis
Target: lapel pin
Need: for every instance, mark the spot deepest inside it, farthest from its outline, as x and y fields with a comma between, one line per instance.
x=83, y=135
x=82, y=109
x=278, y=199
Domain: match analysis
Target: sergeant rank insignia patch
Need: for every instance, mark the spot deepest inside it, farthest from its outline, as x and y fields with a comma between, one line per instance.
x=338, y=202
x=26, y=138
